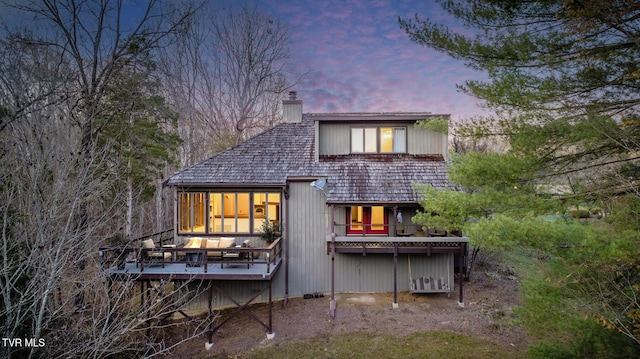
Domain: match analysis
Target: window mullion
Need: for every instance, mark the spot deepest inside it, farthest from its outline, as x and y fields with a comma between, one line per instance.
x=222, y=201
x=192, y=212
x=236, y=212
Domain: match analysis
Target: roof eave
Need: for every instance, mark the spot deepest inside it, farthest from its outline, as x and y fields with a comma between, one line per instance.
x=227, y=185
x=383, y=203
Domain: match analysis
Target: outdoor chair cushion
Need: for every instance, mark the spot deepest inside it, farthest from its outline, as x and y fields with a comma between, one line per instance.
x=213, y=243
x=221, y=242
x=226, y=242
x=148, y=244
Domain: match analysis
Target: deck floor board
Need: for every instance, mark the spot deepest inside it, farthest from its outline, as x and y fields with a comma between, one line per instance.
x=179, y=270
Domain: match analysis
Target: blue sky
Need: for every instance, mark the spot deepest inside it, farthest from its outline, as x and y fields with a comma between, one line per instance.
x=360, y=60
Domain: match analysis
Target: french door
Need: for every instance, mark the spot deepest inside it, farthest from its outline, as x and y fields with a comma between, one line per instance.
x=367, y=220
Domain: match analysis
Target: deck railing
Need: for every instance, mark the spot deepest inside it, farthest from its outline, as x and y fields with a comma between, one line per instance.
x=377, y=244
x=401, y=230
x=269, y=255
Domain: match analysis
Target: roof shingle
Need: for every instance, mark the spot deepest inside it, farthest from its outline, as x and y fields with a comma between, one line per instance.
x=287, y=150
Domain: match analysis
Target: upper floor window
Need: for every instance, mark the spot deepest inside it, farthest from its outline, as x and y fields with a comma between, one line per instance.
x=378, y=140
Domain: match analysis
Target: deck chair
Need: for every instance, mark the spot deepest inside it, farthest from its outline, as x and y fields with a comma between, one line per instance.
x=153, y=256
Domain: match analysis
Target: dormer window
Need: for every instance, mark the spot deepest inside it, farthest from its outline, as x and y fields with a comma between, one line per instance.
x=378, y=140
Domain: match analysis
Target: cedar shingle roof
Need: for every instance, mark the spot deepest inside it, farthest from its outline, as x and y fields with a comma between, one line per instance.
x=268, y=158
x=287, y=150
x=363, y=178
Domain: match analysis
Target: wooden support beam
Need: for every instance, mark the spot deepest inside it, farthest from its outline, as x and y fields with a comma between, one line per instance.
x=332, y=304
x=462, y=256
x=209, y=344
x=395, y=276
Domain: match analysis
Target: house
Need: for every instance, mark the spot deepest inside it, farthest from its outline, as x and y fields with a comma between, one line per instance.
x=340, y=187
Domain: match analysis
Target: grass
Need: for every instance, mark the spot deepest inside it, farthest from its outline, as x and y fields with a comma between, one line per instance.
x=552, y=318
x=555, y=319
x=432, y=344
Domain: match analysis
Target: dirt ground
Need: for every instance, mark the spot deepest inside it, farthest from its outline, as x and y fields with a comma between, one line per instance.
x=489, y=299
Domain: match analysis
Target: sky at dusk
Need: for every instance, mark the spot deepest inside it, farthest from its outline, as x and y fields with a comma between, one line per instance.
x=359, y=60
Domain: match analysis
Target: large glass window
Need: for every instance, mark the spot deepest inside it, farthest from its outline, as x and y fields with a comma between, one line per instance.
x=367, y=220
x=390, y=140
x=228, y=212
x=266, y=208
x=191, y=208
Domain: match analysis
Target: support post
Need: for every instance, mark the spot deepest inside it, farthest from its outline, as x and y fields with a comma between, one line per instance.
x=332, y=304
x=270, y=333
x=209, y=344
x=395, y=221
x=395, y=275
x=463, y=247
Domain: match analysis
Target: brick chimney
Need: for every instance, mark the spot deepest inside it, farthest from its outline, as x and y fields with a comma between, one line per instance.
x=292, y=109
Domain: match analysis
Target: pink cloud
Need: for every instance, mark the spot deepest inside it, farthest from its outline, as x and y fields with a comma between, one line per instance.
x=360, y=60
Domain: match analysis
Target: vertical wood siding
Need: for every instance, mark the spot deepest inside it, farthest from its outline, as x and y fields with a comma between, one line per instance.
x=310, y=266
x=334, y=139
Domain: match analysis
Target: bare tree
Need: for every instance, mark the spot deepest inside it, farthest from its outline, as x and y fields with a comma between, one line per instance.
x=250, y=52
x=61, y=198
x=96, y=42
x=227, y=77
x=45, y=183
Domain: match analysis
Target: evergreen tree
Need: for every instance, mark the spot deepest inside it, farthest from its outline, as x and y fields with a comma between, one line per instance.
x=563, y=80
x=139, y=130
x=563, y=90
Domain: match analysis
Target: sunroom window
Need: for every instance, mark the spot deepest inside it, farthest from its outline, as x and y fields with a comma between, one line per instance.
x=228, y=212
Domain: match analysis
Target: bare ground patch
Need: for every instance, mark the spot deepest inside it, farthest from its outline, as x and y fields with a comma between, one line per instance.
x=489, y=300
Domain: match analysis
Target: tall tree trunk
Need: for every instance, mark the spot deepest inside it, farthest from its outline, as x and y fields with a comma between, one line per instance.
x=128, y=233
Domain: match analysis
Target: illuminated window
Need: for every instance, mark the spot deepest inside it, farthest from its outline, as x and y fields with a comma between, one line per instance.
x=391, y=140
x=266, y=207
x=356, y=218
x=191, y=209
x=367, y=220
x=228, y=212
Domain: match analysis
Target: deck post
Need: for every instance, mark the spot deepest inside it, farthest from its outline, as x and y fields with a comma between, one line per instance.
x=395, y=221
x=395, y=275
x=209, y=344
x=270, y=333
x=463, y=247
x=332, y=304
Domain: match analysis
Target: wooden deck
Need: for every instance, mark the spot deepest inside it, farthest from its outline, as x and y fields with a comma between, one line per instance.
x=257, y=263
x=229, y=270
x=398, y=245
